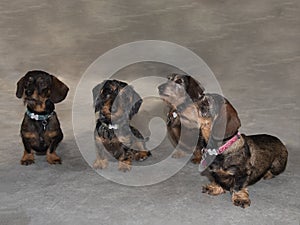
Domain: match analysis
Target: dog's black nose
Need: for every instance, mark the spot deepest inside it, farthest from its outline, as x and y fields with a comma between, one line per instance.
x=28, y=92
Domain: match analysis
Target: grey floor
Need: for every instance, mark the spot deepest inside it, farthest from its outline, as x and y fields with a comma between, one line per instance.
x=253, y=49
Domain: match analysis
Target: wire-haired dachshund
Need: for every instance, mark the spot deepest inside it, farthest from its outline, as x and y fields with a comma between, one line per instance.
x=181, y=92
x=40, y=129
x=115, y=104
x=238, y=160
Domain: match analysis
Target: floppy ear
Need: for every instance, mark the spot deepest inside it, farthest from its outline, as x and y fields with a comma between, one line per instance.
x=97, y=101
x=20, y=87
x=194, y=88
x=135, y=101
x=226, y=122
x=59, y=90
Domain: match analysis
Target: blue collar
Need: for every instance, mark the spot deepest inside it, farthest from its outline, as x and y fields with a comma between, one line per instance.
x=39, y=117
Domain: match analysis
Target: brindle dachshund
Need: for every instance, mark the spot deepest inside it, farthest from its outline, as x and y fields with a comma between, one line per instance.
x=240, y=160
x=40, y=129
x=181, y=92
x=115, y=104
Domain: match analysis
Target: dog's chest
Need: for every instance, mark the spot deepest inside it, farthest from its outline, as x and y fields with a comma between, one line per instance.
x=40, y=133
x=205, y=127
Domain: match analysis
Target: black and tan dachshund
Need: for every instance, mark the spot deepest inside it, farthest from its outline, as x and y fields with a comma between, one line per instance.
x=40, y=129
x=115, y=104
x=240, y=160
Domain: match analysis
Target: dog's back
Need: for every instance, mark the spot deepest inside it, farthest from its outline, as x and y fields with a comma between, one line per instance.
x=268, y=156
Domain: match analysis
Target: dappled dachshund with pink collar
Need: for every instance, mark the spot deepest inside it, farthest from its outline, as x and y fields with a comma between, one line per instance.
x=233, y=161
x=40, y=129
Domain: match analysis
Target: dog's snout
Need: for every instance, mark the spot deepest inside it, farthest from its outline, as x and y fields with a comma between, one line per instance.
x=161, y=88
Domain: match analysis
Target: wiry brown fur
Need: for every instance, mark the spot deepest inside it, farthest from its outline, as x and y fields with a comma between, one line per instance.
x=115, y=103
x=248, y=160
x=40, y=91
x=181, y=92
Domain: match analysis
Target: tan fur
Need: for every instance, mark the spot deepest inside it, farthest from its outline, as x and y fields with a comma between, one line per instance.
x=52, y=158
x=100, y=163
x=50, y=134
x=29, y=135
x=213, y=189
x=241, y=198
x=27, y=159
x=206, y=124
x=125, y=165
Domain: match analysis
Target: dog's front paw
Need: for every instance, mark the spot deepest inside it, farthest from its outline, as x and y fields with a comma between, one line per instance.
x=100, y=163
x=125, y=165
x=142, y=155
x=213, y=189
x=27, y=159
x=52, y=158
x=241, y=198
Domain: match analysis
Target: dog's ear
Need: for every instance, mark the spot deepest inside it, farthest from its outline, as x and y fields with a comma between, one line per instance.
x=194, y=88
x=59, y=90
x=120, y=84
x=137, y=102
x=226, y=122
x=97, y=101
x=131, y=100
x=20, y=87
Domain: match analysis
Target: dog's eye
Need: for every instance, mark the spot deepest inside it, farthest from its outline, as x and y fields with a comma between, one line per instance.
x=179, y=81
x=43, y=84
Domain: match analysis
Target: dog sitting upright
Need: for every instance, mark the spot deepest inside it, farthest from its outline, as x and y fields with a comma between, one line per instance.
x=240, y=160
x=40, y=129
x=115, y=104
x=181, y=93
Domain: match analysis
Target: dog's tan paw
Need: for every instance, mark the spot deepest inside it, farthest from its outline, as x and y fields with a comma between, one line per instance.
x=142, y=155
x=100, y=163
x=52, y=158
x=241, y=198
x=27, y=159
x=125, y=165
x=213, y=189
